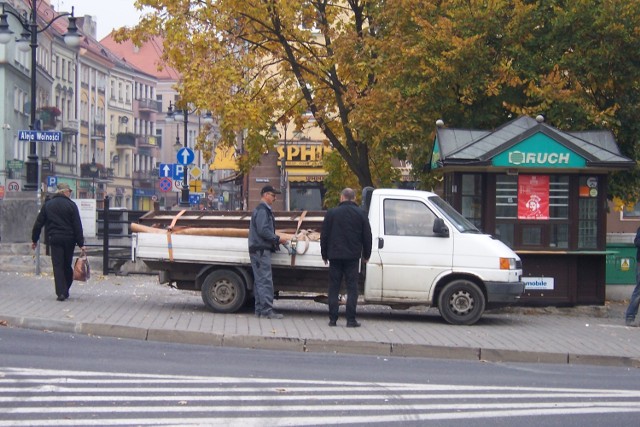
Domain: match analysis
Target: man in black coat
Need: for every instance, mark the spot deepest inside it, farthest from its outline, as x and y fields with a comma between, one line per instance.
x=345, y=238
x=61, y=218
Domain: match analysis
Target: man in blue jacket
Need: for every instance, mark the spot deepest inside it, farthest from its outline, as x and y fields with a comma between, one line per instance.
x=61, y=218
x=345, y=238
x=634, y=303
x=262, y=242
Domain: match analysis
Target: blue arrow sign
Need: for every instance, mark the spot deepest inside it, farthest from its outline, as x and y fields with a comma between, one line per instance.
x=185, y=156
x=40, y=136
x=166, y=170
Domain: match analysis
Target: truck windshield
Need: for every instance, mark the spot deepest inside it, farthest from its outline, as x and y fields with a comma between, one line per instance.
x=461, y=223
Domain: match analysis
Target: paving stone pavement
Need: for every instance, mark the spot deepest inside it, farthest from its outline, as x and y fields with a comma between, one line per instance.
x=138, y=307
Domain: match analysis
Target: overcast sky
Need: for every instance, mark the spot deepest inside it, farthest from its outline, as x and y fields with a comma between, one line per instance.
x=109, y=14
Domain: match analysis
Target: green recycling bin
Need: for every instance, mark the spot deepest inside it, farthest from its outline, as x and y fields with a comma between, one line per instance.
x=621, y=264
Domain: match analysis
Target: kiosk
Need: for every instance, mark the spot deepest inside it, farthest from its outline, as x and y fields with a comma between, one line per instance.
x=543, y=192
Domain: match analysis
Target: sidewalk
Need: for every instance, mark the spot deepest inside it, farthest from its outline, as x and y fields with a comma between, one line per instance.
x=138, y=307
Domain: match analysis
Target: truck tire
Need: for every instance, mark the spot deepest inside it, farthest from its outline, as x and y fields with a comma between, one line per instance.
x=223, y=291
x=461, y=302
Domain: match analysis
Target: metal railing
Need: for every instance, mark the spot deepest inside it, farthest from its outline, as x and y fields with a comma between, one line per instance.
x=114, y=229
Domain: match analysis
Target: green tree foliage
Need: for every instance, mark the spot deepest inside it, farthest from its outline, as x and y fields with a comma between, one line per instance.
x=478, y=64
x=254, y=63
x=377, y=74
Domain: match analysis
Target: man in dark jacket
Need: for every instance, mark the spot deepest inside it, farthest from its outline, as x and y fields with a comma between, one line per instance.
x=61, y=218
x=262, y=242
x=345, y=237
x=634, y=303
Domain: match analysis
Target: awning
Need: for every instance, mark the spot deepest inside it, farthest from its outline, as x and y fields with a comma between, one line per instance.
x=306, y=174
x=231, y=178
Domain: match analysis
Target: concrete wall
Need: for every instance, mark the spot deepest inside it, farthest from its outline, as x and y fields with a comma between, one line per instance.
x=18, y=212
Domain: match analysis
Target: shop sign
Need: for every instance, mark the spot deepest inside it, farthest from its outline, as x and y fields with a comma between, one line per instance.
x=539, y=151
x=15, y=165
x=302, y=155
x=538, y=283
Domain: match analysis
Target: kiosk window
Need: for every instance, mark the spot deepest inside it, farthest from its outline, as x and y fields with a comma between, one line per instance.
x=472, y=198
x=407, y=218
x=533, y=233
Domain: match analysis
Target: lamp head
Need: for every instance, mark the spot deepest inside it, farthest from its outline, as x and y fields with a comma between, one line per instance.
x=170, y=115
x=5, y=31
x=24, y=42
x=72, y=38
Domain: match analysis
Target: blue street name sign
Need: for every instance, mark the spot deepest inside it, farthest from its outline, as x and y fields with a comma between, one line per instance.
x=185, y=156
x=40, y=136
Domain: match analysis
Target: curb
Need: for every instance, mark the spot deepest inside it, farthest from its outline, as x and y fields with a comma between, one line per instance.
x=369, y=348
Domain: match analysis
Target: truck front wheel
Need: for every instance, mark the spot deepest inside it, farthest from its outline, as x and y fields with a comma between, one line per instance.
x=461, y=302
x=223, y=291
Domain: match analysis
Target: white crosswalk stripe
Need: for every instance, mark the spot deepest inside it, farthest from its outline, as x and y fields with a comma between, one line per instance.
x=68, y=398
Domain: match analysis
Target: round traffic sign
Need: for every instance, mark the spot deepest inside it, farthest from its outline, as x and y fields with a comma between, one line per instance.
x=164, y=184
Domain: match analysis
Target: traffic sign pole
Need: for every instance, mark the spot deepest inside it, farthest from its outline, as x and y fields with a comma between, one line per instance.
x=185, y=156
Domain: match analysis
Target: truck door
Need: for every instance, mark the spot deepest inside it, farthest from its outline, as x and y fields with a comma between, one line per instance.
x=412, y=256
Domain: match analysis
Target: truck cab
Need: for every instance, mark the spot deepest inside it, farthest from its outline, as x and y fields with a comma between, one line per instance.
x=426, y=253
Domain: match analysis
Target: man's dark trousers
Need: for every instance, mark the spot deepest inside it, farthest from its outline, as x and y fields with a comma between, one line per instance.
x=347, y=268
x=61, y=259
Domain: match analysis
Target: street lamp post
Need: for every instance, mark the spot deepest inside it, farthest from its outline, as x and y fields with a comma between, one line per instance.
x=93, y=168
x=183, y=115
x=283, y=166
x=29, y=40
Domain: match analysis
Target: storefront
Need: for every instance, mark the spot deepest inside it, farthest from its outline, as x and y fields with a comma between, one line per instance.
x=543, y=192
x=304, y=174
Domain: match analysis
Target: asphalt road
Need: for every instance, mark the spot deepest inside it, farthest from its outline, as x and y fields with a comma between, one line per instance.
x=51, y=378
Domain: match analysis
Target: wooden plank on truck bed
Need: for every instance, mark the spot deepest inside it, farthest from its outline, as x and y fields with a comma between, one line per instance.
x=230, y=219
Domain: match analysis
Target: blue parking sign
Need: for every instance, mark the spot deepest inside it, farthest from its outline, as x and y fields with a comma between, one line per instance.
x=178, y=172
x=52, y=181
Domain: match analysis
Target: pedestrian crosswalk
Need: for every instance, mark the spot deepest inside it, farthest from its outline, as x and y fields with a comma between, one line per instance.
x=68, y=398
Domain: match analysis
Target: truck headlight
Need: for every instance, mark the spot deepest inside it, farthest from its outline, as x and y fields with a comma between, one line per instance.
x=507, y=263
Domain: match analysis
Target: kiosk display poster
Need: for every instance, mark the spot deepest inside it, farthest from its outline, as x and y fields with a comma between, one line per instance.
x=533, y=197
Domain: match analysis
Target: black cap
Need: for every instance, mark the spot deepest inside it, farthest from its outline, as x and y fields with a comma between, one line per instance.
x=269, y=189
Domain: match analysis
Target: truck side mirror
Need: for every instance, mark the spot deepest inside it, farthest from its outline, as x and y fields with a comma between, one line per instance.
x=439, y=228
x=367, y=192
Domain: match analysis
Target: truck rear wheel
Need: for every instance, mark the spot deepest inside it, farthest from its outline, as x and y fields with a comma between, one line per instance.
x=461, y=302
x=223, y=291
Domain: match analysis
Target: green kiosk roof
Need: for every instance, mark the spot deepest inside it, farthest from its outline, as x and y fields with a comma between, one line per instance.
x=527, y=143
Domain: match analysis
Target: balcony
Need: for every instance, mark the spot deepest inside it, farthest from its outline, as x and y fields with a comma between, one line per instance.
x=149, y=105
x=85, y=171
x=70, y=126
x=98, y=131
x=126, y=139
x=146, y=141
x=49, y=117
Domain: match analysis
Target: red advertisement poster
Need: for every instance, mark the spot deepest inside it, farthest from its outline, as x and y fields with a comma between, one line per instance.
x=533, y=197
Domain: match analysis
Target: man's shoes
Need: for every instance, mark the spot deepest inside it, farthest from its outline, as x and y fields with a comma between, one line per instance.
x=272, y=315
x=631, y=322
x=61, y=298
x=332, y=323
x=353, y=324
